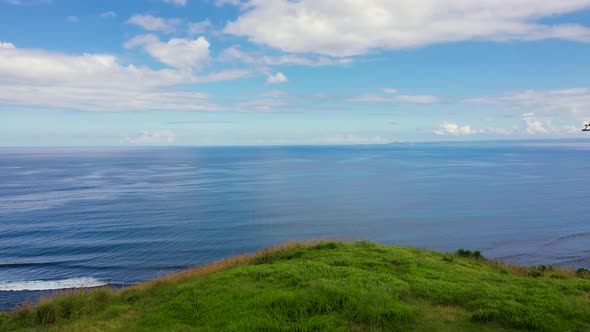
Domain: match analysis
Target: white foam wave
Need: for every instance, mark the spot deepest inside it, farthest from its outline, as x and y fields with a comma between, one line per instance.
x=41, y=285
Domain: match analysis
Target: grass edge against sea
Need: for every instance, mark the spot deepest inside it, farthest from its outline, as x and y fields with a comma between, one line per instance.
x=330, y=285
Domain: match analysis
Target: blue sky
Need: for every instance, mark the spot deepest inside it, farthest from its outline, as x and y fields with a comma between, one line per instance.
x=230, y=72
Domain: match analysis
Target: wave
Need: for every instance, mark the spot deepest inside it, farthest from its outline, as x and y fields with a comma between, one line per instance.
x=32, y=264
x=42, y=285
x=576, y=235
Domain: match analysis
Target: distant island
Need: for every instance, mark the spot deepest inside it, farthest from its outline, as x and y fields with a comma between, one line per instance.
x=330, y=286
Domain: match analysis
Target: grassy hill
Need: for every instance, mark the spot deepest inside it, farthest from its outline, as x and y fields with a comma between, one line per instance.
x=330, y=286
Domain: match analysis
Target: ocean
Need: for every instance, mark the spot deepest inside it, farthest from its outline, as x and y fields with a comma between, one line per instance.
x=84, y=217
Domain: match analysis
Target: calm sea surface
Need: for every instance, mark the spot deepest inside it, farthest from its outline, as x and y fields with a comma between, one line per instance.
x=86, y=217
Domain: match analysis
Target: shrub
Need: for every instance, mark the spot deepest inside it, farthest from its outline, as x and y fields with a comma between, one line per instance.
x=448, y=258
x=536, y=271
x=326, y=245
x=539, y=270
x=469, y=254
x=583, y=273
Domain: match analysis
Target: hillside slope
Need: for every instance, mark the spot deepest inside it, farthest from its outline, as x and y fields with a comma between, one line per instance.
x=330, y=286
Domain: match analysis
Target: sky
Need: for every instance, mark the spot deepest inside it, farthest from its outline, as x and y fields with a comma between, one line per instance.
x=281, y=72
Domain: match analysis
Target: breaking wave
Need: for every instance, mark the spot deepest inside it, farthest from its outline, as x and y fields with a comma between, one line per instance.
x=41, y=285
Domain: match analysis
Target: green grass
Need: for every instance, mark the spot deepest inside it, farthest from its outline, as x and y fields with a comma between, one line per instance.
x=330, y=286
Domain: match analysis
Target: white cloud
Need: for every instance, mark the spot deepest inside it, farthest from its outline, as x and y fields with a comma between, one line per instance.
x=177, y=52
x=546, y=126
x=569, y=129
x=176, y=2
x=97, y=82
x=292, y=59
x=109, y=14
x=390, y=91
x=535, y=126
x=153, y=23
x=259, y=105
x=220, y=3
x=275, y=93
x=196, y=28
x=411, y=99
x=277, y=78
x=25, y=2
x=235, y=54
x=346, y=28
x=574, y=102
x=152, y=138
x=453, y=129
x=6, y=45
x=416, y=99
x=73, y=19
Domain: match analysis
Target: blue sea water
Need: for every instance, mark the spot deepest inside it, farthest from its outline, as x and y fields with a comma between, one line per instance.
x=75, y=217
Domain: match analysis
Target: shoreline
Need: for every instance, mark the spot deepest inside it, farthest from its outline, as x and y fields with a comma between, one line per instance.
x=327, y=285
x=41, y=295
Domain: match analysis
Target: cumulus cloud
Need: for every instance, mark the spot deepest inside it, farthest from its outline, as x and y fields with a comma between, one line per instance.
x=153, y=23
x=277, y=78
x=97, y=82
x=532, y=124
x=546, y=112
x=346, y=28
x=536, y=126
x=546, y=126
x=152, y=138
x=453, y=129
x=177, y=52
